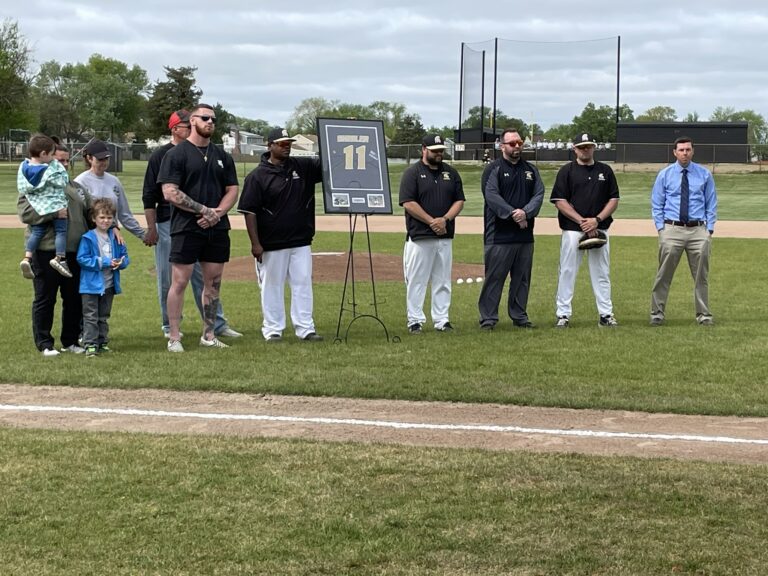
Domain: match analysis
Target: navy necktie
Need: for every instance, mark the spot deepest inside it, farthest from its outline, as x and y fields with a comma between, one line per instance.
x=684, y=192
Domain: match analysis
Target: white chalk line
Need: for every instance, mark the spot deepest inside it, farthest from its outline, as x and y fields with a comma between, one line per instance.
x=387, y=424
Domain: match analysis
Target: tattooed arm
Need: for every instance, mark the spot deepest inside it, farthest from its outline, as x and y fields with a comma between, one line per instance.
x=208, y=216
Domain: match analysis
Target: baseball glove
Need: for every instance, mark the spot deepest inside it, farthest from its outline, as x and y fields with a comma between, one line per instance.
x=587, y=243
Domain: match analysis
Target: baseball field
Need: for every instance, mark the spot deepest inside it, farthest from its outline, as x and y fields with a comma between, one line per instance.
x=178, y=493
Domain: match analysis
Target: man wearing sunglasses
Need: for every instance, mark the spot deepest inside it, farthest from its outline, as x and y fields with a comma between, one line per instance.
x=200, y=181
x=158, y=214
x=278, y=202
x=513, y=193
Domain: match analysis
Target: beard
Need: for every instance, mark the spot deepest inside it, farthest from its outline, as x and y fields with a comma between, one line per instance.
x=204, y=131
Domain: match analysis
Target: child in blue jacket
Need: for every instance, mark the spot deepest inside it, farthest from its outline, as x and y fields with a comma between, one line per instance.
x=101, y=258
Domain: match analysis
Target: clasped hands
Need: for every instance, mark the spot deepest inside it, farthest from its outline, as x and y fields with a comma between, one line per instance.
x=439, y=226
x=589, y=226
x=209, y=217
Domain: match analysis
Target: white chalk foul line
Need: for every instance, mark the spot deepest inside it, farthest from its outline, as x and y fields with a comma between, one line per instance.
x=387, y=424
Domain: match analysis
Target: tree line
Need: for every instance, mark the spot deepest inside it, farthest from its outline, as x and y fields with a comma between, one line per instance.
x=109, y=99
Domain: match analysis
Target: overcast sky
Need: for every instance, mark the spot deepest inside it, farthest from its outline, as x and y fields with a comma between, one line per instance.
x=260, y=62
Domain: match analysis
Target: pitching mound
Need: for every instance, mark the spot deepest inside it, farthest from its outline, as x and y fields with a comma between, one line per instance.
x=332, y=267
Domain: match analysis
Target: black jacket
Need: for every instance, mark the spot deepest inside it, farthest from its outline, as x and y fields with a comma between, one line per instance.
x=283, y=200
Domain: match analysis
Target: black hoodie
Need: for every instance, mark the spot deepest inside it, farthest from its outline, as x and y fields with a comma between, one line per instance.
x=283, y=200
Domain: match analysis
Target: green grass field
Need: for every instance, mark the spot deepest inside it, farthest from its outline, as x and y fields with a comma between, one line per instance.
x=740, y=196
x=82, y=503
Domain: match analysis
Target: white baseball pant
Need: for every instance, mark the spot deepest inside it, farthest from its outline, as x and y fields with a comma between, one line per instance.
x=293, y=265
x=428, y=261
x=599, y=260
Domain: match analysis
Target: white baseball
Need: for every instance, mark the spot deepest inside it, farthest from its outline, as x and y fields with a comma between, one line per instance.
x=460, y=281
x=469, y=280
x=479, y=279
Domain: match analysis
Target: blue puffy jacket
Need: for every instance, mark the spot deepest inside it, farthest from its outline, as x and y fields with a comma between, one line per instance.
x=92, y=263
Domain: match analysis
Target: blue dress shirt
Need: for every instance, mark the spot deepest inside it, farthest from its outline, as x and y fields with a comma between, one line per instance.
x=702, y=198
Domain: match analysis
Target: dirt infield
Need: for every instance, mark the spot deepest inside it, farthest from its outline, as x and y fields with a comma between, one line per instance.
x=486, y=426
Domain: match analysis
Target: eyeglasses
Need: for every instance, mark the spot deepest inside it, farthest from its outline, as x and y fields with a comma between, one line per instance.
x=183, y=126
x=205, y=118
x=514, y=143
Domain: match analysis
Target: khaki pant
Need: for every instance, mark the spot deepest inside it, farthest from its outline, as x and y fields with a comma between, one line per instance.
x=696, y=242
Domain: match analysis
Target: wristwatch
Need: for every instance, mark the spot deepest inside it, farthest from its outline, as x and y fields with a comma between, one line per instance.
x=598, y=219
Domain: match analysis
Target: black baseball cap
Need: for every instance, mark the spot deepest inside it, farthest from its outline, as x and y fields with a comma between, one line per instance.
x=279, y=135
x=584, y=139
x=433, y=142
x=97, y=149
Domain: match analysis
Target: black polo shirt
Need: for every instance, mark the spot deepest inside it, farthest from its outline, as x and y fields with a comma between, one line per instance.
x=587, y=188
x=435, y=191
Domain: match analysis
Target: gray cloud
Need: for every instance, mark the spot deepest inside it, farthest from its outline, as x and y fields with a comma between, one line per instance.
x=261, y=62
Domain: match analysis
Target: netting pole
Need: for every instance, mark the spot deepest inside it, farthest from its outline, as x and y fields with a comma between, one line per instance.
x=482, y=99
x=618, y=76
x=461, y=91
x=495, y=73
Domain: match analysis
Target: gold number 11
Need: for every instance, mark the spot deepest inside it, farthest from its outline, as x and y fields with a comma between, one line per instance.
x=349, y=157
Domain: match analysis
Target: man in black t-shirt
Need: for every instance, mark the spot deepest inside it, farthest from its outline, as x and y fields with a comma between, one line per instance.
x=157, y=211
x=586, y=195
x=432, y=194
x=200, y=182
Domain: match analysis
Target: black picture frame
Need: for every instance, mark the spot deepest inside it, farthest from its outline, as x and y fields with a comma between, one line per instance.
x=355, y=170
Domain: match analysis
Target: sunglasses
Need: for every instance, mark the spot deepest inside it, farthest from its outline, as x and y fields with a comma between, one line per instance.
x=205, y=118
x=514, y=143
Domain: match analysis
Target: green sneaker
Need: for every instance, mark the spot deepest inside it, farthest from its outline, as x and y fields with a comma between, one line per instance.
x=104, y=349
x=91, y=351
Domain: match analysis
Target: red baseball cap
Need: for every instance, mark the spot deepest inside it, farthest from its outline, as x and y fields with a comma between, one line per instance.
x=178, y=117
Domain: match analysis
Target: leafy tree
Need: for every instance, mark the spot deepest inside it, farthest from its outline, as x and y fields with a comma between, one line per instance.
x=303, y=119
x=107, y=95
x=757, y=131
x=600, y=121
x=411, y=131
x=658, y=114
x=391, y=113
x=255, y=126
x=691, y=117
x=446, y=132
x=58, y=114
x=560, y=133
x=224, y=123
x=177, y=91
x=16, y=106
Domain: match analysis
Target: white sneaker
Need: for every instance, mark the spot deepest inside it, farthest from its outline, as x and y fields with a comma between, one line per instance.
x=229, y=333
x=26, y=269
x=50, y=352
x=215, y=343
x=175, y=346
x=73, y=348
x=168, y=335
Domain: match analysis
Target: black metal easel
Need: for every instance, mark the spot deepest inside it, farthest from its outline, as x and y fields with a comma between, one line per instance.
x=351, y=272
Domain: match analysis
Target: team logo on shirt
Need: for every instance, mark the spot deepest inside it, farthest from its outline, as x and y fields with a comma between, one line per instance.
x=423, y=175
x=600, y=177
x=506, y=174
x=528, y=175
x=220, y=163
x=446, y=175
x=295, y=175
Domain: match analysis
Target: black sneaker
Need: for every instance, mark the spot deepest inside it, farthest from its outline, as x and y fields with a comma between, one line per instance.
x=414, y=328
x=445, y=328
x=486, y=327
x=607, y=321
x=526, y=324
x=313, y=337
x=562, y=322
x=275, y=338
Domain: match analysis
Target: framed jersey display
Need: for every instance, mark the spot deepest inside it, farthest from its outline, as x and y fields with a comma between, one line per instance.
x=355, y=172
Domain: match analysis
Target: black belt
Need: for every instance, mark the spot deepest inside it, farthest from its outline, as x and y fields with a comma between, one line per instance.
x=689, y=224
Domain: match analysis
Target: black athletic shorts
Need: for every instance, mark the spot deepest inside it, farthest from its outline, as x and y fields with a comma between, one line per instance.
x=203, y=245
